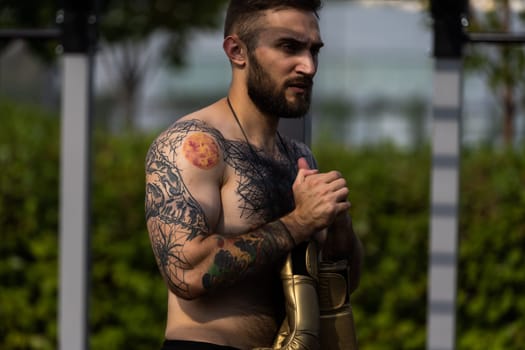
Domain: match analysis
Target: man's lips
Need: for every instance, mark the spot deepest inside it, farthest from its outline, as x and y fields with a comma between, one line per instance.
x=300, y=86
x=299, y=90
x=303, y=83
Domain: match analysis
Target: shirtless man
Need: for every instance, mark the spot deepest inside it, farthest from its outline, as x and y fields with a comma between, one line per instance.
x=227, y=197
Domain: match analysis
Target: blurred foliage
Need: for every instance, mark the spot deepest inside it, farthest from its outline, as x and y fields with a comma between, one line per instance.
x=136, y=37
x=502, y=66
x=390, y=208
x=491, y=313
x=128, y=297
x=29, y=143
x=121, y=20
x=127, y=305
x=139, y=36
x=389, y=192
x=136, y=20
x=30, y=14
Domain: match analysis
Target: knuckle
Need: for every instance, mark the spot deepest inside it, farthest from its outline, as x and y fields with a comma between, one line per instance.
x=336, y=173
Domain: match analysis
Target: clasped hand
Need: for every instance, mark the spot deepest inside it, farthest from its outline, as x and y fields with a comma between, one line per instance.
x=319, y=199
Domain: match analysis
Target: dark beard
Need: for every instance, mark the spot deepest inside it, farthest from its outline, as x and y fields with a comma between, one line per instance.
x=271, y=100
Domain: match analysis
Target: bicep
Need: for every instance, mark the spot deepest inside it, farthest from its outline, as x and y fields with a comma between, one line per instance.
x=182, y=206
x=180, y=193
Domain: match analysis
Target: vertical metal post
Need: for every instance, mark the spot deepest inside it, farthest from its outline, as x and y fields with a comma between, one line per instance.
x=76, y=21
x=74, y=203
x=446, y=155
x=444, y=205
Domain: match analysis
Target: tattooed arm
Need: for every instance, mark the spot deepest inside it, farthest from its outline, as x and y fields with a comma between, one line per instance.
x=184, y=170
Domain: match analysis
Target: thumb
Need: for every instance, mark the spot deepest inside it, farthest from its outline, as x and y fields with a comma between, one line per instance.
x=303, y=164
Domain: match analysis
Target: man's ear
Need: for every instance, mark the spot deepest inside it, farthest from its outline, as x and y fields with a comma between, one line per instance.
x=235, y=50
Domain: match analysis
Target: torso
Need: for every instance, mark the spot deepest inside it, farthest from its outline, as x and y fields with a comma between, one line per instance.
x=254, y=189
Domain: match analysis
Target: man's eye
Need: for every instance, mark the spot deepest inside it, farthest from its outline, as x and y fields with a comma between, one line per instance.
x=290, y=47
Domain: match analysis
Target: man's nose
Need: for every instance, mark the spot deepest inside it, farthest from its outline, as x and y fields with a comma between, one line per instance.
x=307, y=64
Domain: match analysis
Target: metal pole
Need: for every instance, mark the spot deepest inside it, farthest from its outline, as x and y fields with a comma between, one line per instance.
x=444, y=204
x=449, y=39
x=78, y=40
x=30, y=34
x=496, y=38
x=74, y=203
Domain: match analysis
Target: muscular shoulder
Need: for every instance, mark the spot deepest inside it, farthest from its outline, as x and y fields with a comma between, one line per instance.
x=189, y=142
x=184, y=174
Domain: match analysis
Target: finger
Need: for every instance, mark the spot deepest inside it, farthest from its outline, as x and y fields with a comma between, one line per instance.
x=342, y=207
x=341, y=195
x=330, y=176
x=303, y=173
x=302, y=163
x=337, y=184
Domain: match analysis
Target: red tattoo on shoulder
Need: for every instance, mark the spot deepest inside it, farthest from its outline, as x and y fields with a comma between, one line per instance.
x=201, y=150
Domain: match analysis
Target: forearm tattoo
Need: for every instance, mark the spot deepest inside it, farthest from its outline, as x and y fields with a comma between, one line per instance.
x=175, y=218
x=258, y=248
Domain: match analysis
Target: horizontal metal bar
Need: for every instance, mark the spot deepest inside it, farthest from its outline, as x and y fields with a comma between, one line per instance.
x=31, y=34
x=496, y=38
x=448, y=210
x=443, y=259
x=445, y=161
x=442, y=307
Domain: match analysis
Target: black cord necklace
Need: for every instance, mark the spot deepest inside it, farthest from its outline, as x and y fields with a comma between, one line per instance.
x=285, y=148
x=272, y=179
x=240, y=127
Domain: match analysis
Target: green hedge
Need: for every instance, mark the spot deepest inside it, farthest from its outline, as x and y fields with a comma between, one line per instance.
x=390, y=196
x=389, y=192
x=29, y=141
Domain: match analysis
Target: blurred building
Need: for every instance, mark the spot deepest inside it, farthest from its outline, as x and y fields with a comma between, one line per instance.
x=374, y=82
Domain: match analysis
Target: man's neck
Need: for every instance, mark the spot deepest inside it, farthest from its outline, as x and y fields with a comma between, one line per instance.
x=259, y=129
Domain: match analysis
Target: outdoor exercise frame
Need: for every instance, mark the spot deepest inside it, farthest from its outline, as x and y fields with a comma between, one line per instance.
x=76, y=32
x=450, y=37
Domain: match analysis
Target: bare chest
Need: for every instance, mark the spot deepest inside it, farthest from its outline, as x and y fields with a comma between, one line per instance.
x=257, y=189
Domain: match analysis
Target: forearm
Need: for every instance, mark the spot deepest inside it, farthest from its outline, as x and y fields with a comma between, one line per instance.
x=340, y=239
x=235, y=258
x=342, y=243
x=214, y=261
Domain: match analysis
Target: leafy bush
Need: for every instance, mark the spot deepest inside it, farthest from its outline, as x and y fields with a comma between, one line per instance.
x=491, y=277
x=389, y=192
x=128, y=297
x=390, y=209
x=29, y=143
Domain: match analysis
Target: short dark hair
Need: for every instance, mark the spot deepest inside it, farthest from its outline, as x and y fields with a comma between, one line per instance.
x=242, y=14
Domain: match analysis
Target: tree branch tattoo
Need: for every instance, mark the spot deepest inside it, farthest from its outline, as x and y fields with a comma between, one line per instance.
x=175, y=217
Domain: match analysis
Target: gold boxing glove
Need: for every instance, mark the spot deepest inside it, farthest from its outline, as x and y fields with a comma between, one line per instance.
x=337, y=330
x=300, y=328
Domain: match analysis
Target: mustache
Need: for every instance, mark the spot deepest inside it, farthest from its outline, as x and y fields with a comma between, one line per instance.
x=304, y=82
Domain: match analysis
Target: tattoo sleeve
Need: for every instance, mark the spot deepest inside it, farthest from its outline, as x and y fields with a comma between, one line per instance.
x=253, y=250
x=192, y=259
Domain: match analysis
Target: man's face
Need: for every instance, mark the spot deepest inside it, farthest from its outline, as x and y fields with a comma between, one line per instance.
x=283, y=64
x=270, y=97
